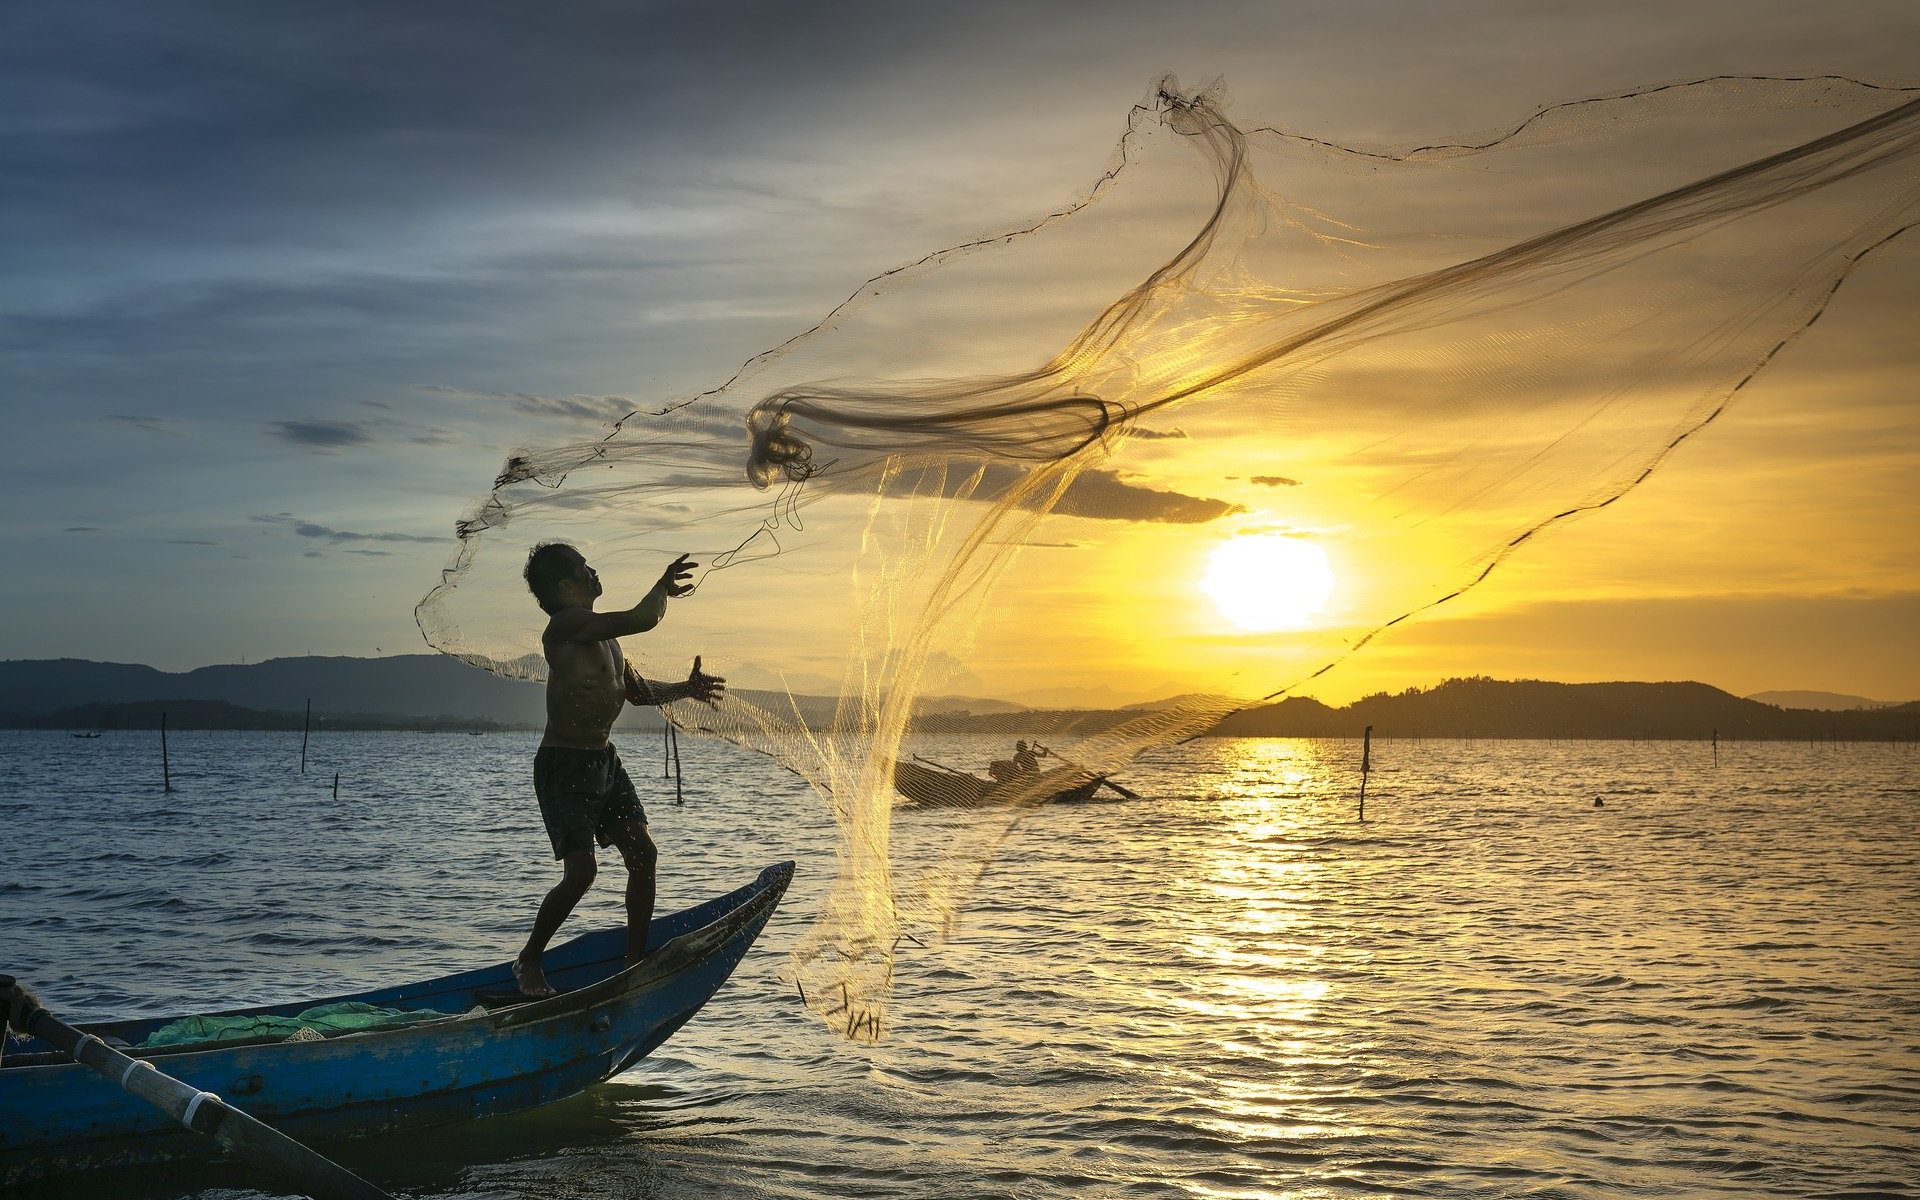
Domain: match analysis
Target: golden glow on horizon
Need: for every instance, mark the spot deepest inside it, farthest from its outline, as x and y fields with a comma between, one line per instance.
x=1268, y=581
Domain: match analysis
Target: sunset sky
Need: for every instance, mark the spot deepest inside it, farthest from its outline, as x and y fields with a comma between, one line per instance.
x=278, y=294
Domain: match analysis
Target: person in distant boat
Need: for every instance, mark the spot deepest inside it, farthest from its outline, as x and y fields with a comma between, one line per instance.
x=1025, y=762
x=584, y=793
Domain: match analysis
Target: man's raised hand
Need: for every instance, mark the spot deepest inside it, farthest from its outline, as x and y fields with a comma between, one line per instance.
x=673, y=581
x=707, y=689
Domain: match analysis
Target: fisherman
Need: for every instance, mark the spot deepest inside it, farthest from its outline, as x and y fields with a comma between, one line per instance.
x=1024, y=763
x=585, y=795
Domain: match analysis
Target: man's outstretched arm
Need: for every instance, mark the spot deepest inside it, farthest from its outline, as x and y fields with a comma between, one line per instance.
x=585, y=625
x=698, y=685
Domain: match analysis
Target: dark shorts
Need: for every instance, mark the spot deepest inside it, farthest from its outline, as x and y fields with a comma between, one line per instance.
x=585, y=796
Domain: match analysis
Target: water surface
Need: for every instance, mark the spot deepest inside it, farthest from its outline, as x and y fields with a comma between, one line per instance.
x=1229, y=988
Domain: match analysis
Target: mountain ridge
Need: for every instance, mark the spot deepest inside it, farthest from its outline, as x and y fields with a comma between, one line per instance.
x=1481, y=707
x=1820, y=701
x=431, y=691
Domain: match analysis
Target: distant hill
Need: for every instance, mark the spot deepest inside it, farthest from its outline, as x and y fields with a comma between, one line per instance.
x=1473, y=708
x=430, y=691
x=409, y=685
x=1176, y=701
x=1492, y=708
x=966, y=704
x=218, y=714
x=414, y=691
x=1821, y=701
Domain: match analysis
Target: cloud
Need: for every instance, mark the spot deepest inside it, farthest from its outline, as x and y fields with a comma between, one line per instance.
x=1156, y=435
x=717, y=310
x=599, y=410
x=1273, y=481
x=602, y=410
x=308, y=529
x=1103, y=495
x=373, y=553
x=701, y=419
x=189, y=542
x=323, y=435
x=171, y=426
x=84, y=529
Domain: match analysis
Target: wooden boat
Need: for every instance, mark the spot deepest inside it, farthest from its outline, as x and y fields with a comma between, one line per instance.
x=928, y=787
x=57, y=1116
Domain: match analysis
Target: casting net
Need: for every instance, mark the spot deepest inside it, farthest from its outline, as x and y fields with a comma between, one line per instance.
x=1335, y=384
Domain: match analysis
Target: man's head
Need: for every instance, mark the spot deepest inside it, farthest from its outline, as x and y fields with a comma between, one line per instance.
x=559, y=577
x=1019, y=745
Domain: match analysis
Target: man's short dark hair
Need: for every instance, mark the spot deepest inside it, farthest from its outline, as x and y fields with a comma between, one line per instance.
x=548, y=566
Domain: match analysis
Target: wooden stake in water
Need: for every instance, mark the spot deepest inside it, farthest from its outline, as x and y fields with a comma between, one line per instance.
x=1716, y=747
x=166, y=771
x=336, y=785
x=1366, y=764
x=306, y=726
x=673, y=736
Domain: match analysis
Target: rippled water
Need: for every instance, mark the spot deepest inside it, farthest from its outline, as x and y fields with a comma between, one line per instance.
x=1229, y=988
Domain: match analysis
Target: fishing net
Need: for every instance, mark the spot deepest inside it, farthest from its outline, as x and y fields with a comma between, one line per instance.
x=1250, y=400
x=345, y=1016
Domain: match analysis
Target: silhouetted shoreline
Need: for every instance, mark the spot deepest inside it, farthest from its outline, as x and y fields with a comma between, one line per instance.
x=432, y=693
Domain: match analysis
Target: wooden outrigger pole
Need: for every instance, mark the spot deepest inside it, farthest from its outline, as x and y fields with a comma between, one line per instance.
x=202, y=1112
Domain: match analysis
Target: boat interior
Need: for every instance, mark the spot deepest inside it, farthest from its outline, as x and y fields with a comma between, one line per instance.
x=569, y=965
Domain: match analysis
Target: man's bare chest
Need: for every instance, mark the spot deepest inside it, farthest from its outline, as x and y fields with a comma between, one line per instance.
x=593, y=666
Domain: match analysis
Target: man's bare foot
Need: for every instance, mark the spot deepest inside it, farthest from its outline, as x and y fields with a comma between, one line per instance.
x=528, y=977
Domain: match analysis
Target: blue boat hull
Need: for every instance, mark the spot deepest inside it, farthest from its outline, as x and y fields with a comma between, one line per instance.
x=58, y=1116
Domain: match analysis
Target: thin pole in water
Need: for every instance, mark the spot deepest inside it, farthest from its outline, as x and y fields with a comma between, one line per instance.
x=166, y=771
x=306, y=727
x=1366, y=764
x=336, y=785
x=1716, y=747
x=673, y=736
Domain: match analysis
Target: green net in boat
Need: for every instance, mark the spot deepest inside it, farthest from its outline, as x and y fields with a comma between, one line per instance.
x=326, y=1020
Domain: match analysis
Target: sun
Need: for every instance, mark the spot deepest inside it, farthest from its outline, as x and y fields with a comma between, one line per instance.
x=1268, y=581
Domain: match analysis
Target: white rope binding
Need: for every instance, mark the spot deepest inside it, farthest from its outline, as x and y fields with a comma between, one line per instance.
x=131, y=1064
x=193, y=1106
x=80, y=1046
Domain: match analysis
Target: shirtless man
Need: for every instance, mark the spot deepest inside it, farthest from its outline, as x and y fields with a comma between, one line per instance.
x=584, y=792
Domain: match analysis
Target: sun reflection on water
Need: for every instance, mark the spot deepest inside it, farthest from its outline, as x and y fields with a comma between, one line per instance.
x=1264, y=952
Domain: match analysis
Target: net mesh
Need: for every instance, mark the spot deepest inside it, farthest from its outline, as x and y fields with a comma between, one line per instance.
x=1247, y=357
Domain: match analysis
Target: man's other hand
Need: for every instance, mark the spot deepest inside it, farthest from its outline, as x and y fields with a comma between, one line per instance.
x=673, y=581
x=707, y=689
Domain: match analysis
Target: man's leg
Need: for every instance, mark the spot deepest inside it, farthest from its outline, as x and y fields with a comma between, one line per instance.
x=580, y=869
x=637, y=848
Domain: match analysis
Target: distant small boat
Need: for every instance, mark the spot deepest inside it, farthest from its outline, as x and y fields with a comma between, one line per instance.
x=477, y=1060
x=83, y=735
x=927, y=787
